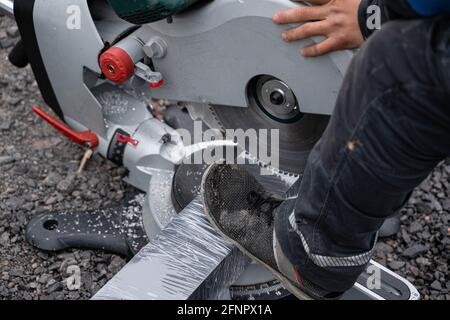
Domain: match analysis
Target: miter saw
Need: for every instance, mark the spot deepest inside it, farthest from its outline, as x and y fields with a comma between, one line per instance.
x=102, y=64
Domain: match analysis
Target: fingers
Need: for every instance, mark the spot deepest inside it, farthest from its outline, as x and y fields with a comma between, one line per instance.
x=335, y=20
x=324, y=47
x=307, y=30
x=300, y=14
x=314, y=1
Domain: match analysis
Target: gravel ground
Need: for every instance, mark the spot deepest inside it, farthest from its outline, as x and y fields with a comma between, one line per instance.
x=38, y=173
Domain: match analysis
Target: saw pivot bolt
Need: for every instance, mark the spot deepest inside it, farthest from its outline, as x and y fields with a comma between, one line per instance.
x=277, y=97
x=156, y=48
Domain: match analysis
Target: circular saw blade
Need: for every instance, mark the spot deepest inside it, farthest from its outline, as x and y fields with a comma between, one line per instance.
x=296, y=139
x=273, y=106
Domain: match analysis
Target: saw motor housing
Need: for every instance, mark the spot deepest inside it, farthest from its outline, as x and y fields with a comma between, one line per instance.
x=147, y=11
x=205, y=57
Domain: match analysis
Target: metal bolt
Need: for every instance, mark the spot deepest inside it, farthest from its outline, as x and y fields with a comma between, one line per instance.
x=111, y=69
x=277, y=97
x=155, y=48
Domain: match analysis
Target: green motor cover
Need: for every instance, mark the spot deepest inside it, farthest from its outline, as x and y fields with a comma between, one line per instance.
x=146, y=11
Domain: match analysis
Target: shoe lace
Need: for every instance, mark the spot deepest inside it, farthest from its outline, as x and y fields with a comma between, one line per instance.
x=262, y=206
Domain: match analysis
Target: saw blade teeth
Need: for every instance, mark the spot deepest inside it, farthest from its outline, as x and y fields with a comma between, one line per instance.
x=275, y=171
x=214, y=115
x=208, y=115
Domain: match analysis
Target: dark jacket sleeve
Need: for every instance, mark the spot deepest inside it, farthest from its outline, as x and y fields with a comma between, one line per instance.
x=390, y=10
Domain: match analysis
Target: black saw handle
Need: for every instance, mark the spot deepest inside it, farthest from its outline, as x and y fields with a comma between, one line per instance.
x=18, y=55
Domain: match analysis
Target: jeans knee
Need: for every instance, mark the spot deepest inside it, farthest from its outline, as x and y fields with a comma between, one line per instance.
x=398, y=54
x=384, y=44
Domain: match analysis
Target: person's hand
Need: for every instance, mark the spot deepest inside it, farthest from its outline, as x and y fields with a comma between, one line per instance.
x=335, y=19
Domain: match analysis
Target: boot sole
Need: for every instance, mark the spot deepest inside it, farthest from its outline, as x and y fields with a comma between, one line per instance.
x=285, y=281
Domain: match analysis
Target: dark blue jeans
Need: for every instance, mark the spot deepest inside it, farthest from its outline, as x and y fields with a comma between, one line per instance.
x=390, y=128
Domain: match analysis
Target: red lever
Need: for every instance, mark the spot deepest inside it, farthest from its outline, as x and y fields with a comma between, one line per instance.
x=156, y=84
x=125, y=139
x=84, y=138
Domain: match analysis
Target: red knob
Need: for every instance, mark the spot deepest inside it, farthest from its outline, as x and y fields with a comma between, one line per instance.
x=156, y=84
x=117, y=65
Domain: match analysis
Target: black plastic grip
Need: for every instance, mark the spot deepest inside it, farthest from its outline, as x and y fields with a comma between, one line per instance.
x=18, y=55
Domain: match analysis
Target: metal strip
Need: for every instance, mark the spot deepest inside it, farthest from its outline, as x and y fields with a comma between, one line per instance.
x=367, y=291
x=415, y=295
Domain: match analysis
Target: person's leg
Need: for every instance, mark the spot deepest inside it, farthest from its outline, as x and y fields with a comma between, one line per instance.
x=390, y=128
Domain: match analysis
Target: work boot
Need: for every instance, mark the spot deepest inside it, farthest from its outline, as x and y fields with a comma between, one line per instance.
x=242, y=211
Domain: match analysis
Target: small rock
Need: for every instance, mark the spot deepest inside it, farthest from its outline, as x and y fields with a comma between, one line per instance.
x=54, y=287
x=85, y=255
x=50, y=282
x=66, y=263
x=66, y=185
x=54, y=266
x=4, y=239
x=58, y=295
x=13, y=31
x=65, y=256
x=116, y=264
x=14, y=101
x=44, y=279
x=396, y=265
x=74, y=296
x=415, y=271
x=51, y=200
x=414, y=227
x=446, y=204
x=423, y=261
x=16, y=273
x=436, y=285
x=415, y=251
x=52, y=179
x=100, y=267
x=423, y=208
x=93, y=182
x=425, y=186
x=425, y=235
x=6, y=160
x=28, y=206
x=6, y=43
x=33, y=285
x=436, y=205
x=384, y=248
x=5, y=125
x=406, y=236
